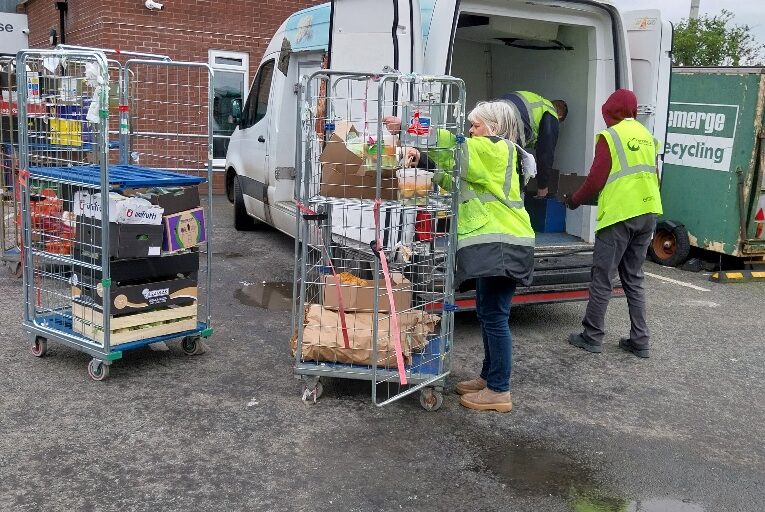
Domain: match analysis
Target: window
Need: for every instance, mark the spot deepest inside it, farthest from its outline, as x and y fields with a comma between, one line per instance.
x=257, y=103
x=228, y=90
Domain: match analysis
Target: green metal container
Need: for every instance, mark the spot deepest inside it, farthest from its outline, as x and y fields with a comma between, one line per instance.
x=712, y=177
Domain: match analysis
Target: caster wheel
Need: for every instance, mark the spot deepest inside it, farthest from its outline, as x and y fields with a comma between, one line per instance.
x=431, y=400
x=312, y=392
x=191, y=345
x=98, y=370
x=39, y=347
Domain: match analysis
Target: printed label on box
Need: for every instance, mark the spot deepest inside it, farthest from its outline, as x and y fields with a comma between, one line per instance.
x=122, y=210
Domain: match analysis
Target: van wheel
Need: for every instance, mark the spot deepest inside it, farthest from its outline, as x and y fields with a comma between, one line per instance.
x=670, y=245
x=242, y=220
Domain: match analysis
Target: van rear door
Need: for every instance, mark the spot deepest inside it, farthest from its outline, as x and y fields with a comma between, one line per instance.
x=650, y=47
x=367, y=35
x=439, y=23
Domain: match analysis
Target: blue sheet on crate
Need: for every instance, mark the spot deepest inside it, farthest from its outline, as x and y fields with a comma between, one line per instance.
x=120, y=176
x=62, y=322
x=425, y=363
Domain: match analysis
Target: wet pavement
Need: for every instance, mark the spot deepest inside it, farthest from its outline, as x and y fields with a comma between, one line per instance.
x=227, y=430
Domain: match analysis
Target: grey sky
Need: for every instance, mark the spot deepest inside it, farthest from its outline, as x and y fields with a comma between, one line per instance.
x=747, y=12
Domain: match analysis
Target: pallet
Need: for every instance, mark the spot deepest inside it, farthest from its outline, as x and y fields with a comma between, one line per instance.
x=88, y=321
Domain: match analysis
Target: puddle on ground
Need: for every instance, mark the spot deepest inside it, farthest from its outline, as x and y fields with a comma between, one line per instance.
x=539, y=471
x=590, y=504
x=270, y=296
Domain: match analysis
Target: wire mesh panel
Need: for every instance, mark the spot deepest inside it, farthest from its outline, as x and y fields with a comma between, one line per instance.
x=111, y=249
x=9, y=138
x=379, y=165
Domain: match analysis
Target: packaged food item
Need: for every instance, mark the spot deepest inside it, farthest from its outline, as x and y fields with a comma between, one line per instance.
x=414, y=185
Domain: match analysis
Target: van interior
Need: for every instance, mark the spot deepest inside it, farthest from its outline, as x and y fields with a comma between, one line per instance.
x=496, y=55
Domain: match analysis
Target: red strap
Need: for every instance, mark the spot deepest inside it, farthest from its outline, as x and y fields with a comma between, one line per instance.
x=396, y=333
x=23, y=175
x=340, y=306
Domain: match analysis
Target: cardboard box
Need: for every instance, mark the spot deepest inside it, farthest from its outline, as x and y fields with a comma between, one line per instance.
x=570, y=183
x=139, y=269
x=560, y=184
x=141, y=297
x=172, y=200
x=89, y=322
x=343, y=173
x=361, y=298
x=122, y=209
x=125, y=240
x=184, y=230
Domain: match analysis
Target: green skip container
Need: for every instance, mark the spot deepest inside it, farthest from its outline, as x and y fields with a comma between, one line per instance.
x=712, y=185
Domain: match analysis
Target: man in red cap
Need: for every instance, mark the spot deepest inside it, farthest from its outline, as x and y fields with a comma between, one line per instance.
x=624, y=175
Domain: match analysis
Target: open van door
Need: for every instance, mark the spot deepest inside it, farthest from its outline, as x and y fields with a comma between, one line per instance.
x=367, y=35
x=650, y=46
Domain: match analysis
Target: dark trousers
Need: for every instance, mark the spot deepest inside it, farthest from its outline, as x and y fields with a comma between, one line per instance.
x=621, y=247
x=493, y=298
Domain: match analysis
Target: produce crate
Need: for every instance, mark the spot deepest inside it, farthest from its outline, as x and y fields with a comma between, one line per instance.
x=89, y=321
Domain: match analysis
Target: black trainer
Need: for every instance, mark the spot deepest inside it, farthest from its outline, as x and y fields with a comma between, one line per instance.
x=578, y=340
x=640, y=351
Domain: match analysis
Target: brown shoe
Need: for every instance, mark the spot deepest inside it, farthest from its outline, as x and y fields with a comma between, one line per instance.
x=470, y=386
x=488, y=400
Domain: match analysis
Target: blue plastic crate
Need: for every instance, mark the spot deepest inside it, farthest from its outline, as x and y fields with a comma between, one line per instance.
x=547, y=215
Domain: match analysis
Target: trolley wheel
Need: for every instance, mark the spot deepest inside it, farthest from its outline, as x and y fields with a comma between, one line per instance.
x=311, y=391
x=18, y=270
x=98, y=370
x=670, y=245
x=39, y=347
x=242, y=220
x=191, y=345
x=430, y=399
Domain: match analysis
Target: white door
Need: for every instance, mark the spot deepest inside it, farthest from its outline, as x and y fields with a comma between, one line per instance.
x=650, y=46
x=368, y=35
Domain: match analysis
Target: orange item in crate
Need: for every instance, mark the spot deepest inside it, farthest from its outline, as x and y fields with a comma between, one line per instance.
x=62, y=247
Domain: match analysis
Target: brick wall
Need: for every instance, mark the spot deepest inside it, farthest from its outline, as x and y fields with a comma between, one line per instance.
x=185, y=30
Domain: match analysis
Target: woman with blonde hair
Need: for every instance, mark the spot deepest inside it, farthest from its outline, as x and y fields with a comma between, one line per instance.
x=495, y=241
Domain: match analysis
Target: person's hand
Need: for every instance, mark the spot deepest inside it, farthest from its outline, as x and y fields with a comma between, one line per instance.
x=541, y=193
x=392, y=124
x=569, y=202
x=412, y=157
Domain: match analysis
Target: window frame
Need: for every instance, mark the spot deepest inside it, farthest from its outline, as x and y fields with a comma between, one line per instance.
x=254, y=93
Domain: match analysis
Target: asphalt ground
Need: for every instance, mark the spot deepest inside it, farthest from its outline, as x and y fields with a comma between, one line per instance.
x=227, y=430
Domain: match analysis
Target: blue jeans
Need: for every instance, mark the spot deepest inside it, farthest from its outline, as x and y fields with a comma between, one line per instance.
x=493, y=298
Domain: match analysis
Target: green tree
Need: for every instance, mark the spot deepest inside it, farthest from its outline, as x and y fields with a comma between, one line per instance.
x=715, y=41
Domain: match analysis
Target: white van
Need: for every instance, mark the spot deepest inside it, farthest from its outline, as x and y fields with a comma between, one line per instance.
x=577, y=50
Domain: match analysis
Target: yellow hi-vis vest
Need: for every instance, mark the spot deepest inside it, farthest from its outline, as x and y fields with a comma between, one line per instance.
x=632, y=188
x=491, y=209
x=536, y=106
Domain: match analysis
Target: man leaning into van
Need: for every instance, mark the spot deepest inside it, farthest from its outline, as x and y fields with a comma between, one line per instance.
x=541, y=123
x=624, y=173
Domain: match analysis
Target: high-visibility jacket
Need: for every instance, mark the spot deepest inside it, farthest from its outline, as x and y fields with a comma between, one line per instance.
x=494, y=233
x=632, y=188
x=536, y=106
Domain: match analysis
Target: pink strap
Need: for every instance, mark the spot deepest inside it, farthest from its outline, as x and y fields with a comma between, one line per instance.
x=396, y=333
x=340, y=306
